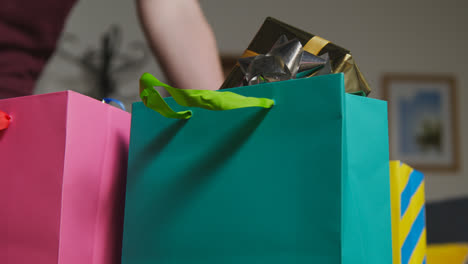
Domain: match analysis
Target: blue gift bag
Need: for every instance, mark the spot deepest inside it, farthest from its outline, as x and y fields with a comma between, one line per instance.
x=306, y=181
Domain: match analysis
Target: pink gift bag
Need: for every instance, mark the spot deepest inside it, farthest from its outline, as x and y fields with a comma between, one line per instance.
x=63, y=159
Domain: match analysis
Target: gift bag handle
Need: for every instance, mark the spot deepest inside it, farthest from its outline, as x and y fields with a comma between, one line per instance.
x=207, y=99
x=5, y=120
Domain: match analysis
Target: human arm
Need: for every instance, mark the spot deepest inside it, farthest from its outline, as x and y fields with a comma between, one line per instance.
x=182, y=41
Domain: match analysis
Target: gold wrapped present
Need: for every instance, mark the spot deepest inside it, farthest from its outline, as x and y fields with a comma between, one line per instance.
x=272, y=29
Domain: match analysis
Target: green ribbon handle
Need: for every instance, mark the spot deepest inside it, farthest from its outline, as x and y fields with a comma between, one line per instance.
x=207, y=99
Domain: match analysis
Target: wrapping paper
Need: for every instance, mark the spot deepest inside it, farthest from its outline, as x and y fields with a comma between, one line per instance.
x=408, y=214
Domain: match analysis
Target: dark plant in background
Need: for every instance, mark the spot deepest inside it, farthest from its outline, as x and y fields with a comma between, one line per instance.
x=107, y=64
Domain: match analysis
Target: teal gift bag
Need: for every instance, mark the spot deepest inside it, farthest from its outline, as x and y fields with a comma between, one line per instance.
x=306, y=181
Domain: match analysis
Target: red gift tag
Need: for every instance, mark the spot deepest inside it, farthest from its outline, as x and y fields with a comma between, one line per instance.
x=5, y=120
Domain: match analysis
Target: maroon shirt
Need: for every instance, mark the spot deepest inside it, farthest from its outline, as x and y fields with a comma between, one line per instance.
x=29, y=30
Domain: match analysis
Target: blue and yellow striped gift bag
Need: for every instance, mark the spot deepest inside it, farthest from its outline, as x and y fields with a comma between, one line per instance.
x=408, y=214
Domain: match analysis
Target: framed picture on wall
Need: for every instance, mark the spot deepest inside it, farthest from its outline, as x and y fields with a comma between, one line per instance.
x=423, y=126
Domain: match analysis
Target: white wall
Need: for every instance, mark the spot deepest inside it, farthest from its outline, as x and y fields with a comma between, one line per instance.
x=392, y=36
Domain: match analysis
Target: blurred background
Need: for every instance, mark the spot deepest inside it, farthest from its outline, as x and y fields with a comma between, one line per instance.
x=385, y=37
